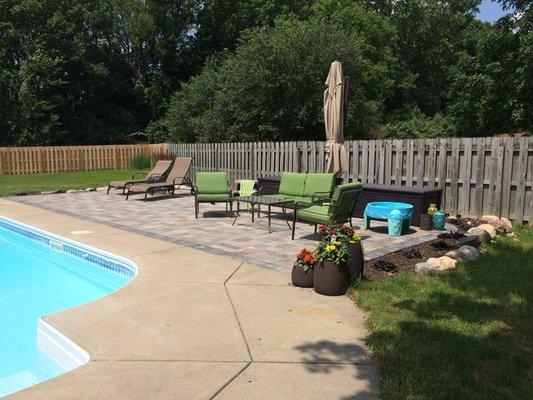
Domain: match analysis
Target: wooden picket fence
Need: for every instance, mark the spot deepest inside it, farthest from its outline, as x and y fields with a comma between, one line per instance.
x=478, y=175
x=31, y=160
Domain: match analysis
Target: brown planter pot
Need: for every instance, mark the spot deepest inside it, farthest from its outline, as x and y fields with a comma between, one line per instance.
x=302, y=278
x=331, y=279
x=355, y=260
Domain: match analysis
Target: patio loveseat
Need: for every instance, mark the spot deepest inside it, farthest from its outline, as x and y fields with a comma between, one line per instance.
x=309, y=188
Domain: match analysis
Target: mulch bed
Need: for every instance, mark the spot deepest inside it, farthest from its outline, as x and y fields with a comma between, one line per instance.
x=404, y=261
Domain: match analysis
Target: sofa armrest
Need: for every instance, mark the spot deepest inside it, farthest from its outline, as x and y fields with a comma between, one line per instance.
x=318, y=197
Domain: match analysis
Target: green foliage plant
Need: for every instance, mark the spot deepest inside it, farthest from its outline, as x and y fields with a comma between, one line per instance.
x=141, y=162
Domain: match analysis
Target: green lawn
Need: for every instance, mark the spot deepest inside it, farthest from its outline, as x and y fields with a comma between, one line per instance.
x=466, y=334
x=36, y=183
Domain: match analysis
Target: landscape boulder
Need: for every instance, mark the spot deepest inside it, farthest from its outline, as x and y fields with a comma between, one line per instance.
x=482, y=234
x=468, y=253
x=442, y=263
x=72, y=191
x=490, y=219
x=489, y=229
x=90, y=190
x=423, y=266
x=471, y=240
x=102, y=189
x=507, y=223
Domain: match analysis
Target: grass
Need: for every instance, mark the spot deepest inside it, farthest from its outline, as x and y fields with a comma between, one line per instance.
x=466, y=334
x=36, y=183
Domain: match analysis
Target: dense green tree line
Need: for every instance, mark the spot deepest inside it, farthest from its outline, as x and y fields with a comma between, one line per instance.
x=93, y=71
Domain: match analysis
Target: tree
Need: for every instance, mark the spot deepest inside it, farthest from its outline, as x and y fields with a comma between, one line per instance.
x=271, y=88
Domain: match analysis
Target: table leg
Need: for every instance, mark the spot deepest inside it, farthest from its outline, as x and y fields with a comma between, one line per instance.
x=269, y=228
x=366, y=223
x=237, y=215
x=284, y=209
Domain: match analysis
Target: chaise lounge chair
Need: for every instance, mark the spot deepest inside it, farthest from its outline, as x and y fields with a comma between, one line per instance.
x=176, y=177
x=156, y=174
x=340, y=210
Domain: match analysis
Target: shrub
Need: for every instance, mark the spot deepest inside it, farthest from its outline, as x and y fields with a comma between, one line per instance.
x=140, y=161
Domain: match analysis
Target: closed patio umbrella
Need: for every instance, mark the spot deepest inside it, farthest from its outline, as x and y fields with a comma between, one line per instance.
x=336, y=157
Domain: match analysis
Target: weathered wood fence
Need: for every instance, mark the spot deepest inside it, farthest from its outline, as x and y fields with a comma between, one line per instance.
x=30, y=160
x=477, y=175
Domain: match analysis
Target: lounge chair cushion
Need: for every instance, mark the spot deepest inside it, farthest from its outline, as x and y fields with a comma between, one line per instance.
x=212, y=182
x=339, y=189
x=212, y=196
x=292, y=184
x=318, y=183
x=317, y=214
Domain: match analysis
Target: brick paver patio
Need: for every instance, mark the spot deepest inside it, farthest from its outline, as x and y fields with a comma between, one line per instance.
x=172, y=219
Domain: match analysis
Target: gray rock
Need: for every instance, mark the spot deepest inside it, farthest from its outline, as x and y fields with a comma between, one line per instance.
x=90, y=190
x=483, y=235
x=471, y=240
x=468, y=252
x=424, y=266
x=72, y=191
x=102, y=189
x=456, y=255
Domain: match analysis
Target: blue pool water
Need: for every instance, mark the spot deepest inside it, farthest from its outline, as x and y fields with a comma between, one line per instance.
x=37, y=278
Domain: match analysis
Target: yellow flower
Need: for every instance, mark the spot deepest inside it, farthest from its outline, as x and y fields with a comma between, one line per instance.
x=330, y=247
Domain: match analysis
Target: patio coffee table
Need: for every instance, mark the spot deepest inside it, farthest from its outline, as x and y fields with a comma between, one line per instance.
x=265, y=200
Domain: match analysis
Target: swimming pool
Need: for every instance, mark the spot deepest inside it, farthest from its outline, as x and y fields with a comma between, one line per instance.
x=41, y=273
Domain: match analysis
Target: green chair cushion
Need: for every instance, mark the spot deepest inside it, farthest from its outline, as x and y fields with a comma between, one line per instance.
x=318, y=183
x=316, y=214
x=212, y=182
x=292, y=184
x=338, y=190
x=212, y=196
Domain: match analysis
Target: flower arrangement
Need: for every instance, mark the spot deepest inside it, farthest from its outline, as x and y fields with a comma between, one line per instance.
x=305, y=259
x=341, y=233
x=333, y=251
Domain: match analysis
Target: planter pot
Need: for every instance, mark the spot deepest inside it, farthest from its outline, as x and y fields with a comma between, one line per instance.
x=355, y=260
x=426, y=222
x=331, y=279
x=302, y=278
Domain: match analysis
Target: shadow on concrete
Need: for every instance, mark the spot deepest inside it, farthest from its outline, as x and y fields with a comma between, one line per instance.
x=326, y=356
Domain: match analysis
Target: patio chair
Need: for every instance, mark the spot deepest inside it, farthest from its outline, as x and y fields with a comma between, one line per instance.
x=247, y=188
x=339, y=210
x=156, y=174
x=176, y=177
x=212, y=187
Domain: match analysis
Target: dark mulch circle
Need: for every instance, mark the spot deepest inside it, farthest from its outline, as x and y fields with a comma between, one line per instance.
x=386, y=266
x=440, y=244
x=412, y=253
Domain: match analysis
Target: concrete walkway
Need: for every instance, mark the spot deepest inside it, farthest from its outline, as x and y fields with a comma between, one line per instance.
x=195, y=325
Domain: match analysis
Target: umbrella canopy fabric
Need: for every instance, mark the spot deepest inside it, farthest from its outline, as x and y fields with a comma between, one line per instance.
x=336, y=157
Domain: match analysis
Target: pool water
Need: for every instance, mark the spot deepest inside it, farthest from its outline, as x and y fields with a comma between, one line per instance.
x=36, y=280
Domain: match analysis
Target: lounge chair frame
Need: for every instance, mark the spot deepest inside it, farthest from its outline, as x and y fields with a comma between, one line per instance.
x=169, y=187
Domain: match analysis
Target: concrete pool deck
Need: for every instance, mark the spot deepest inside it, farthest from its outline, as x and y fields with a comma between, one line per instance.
x=197, y=325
